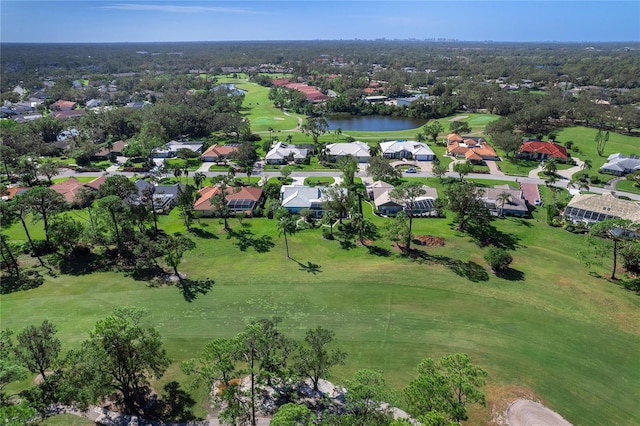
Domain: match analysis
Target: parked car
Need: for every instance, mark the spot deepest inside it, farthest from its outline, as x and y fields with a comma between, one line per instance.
x=411, y=170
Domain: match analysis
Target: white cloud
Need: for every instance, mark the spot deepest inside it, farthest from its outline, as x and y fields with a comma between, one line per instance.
x=182, y=9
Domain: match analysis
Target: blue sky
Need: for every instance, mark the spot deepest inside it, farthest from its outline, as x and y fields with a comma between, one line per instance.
x=178, y=20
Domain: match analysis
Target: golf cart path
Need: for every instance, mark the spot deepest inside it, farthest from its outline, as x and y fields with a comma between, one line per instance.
x=524, y=412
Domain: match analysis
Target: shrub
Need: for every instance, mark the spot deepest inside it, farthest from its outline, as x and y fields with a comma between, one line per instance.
x=499, y=259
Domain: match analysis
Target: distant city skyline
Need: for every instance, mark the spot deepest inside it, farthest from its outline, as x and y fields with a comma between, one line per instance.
x=77, y=21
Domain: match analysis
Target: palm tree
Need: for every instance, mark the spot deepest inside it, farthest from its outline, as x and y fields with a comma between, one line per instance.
x=177, y=172
x=550, y=167
x=185, y=173
x=587, y=165
x=289, y=138
x=502, y=198
x=338, y=132
x=198, y=179
x=286, y=225
x=270, y=129
x=374, y=149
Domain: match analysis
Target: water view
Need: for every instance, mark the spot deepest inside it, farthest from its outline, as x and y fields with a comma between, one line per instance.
x=374, y=123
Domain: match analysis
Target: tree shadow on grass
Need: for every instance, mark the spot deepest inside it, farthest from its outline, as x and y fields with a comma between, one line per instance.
x=83, y=264
x=469, y=270
x=520, y=221
x=312, y=268
x=26, y=281
x=488, y=235
x=379, y=251
x=201, y=233
x=245, y=239
x=191, y=289
x=511, y=274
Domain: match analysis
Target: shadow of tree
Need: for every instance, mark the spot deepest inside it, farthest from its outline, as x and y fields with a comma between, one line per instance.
x=521, y=221
x=511, y=274
x=245, y=239
x=488, y=235
x=379, y=251
x=201, y=233
x=469, y=270
x=312, y=268
x=27, y=280
x=83, y=264
x=176, y=405
x=190, y=289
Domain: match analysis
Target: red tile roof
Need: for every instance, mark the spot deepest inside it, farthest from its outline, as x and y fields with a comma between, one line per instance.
x=67, y=188
x=549, y=148
x=219, y=151
x=233, y=193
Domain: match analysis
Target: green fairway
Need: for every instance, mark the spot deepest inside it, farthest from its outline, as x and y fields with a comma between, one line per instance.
x=570, y=338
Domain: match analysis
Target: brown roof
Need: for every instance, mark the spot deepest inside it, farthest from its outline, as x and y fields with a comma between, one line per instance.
x=233, y=193
x=13, y=191
x=62, y=105
x=67, y=188
x=117, y=147
x=67, y=114
x=97, y=182
x=219, y=150
x=607, y=204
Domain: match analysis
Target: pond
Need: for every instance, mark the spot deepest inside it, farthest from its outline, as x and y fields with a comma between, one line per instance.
x=374, y=123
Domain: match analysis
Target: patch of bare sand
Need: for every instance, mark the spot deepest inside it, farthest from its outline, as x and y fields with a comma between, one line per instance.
x=460, y=117
x=524, y=412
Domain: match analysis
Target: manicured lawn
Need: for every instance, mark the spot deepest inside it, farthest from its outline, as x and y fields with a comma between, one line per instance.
x=82, y=179
x=569, y=338
x=66, y=420
x=627, y=186
x=314, y=181
x=260, y=110
x=584, y=139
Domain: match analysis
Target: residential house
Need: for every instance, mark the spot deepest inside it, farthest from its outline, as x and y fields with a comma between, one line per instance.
x=514, y=205
x=282, y=153
x=165, y=197
x=380, y=193
x=294, y=198
x=12, y=192
x=63, y=115
x=620, y=165
x=170, y=149
x=243, y=199
x=402, y=149
x=539, y=150
x=108, y=154
x=358, y=150
x=593, y=208
x=94, y=103
x=217, y=152
x=475, y=150
x=62, y=105
x=70, y=188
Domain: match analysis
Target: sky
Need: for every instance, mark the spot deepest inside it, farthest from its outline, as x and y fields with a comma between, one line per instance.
x=81, y=21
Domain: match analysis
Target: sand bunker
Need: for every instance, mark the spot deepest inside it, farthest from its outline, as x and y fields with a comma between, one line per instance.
x=524, y=412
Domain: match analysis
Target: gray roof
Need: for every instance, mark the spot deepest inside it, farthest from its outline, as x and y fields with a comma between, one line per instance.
x=621, y=163
x=606, y=204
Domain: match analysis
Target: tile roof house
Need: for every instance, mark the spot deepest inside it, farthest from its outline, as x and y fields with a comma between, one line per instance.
x=620, y=165
x=105, y=154
x=63, y=115
x=12, y=192
x=281, y=153
x=359, y=150
x=70, y=188
x=380, y=193
x=294, y=198
x=592, y=208
x=239, y=199
x=515, y=205
x=475, y=150
x=538, y=150
x=218, y=152
x=62, y=105
x=407, y=149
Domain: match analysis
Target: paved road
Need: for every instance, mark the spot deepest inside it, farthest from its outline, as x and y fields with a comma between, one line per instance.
x=563, y=182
